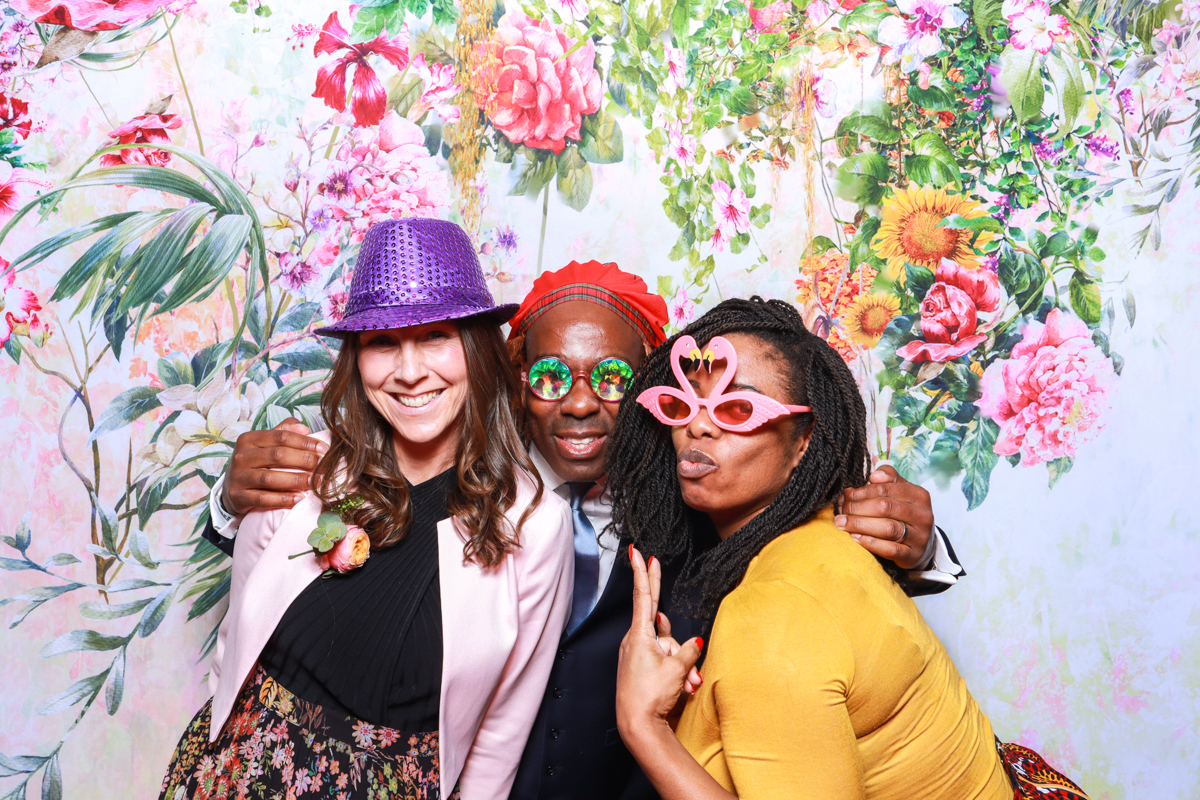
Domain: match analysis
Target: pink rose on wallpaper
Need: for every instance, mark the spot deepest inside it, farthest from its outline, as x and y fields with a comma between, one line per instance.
x=368, y=100
x=146, y=128
x=1051, y=396
x=529, y=90
x=950, y=313
x=88, y=15
x=14, y=113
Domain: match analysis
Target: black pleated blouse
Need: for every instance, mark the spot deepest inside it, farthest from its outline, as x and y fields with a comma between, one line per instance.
x=368, y=644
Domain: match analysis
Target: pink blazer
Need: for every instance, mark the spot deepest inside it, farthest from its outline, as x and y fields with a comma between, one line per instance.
x=500, y=630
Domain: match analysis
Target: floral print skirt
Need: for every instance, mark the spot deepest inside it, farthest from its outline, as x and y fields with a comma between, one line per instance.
x=1032, y=777
x=276, y=745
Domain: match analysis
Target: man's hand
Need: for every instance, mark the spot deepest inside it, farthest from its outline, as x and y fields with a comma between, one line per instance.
x=890, y=517
x=256, y=477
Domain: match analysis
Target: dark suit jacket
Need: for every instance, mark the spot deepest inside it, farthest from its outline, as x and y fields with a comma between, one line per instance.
x=574, y=750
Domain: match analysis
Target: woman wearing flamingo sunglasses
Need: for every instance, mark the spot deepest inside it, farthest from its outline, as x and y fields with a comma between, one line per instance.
x=821, y=680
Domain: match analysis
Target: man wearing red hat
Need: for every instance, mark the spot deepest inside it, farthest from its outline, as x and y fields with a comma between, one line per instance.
x=578, y=338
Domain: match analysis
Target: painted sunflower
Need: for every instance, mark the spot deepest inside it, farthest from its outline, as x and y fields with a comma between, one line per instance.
x=867, y=319
x=909, y=230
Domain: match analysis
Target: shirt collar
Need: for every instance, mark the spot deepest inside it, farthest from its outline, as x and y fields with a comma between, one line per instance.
x=550, y=478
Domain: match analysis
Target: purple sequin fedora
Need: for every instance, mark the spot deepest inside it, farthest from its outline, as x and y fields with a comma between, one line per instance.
x=414, y=271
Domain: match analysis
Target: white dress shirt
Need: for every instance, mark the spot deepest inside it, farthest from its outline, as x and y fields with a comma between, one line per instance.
x=597, y=505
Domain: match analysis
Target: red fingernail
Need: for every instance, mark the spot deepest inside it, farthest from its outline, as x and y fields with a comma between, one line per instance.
x=631, y=552
x=651, y=561
x=700, y=642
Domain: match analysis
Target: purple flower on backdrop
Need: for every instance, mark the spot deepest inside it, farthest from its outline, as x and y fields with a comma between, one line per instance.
x=339, y=185
x=1101, y=145
x=1125, y=96
x=505, y=238
x=294, y=272
x=1050, y=152
x=321, y=220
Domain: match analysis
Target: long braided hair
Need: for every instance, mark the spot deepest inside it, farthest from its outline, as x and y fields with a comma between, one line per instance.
x=647, y=504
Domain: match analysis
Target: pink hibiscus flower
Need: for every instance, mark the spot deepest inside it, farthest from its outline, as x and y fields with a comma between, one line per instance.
x=1051, y=396
x=950, y=313
x=913, y=34
x=146, y=128
x=14, y=192
x=88, y=15
x=731, y=207
x=368, y=100
x=682, y=309
x=1033, y=25
x=676, y=68
x=530, y=89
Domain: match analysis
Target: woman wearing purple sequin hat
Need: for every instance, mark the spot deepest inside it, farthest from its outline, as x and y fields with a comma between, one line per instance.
x=392, y=634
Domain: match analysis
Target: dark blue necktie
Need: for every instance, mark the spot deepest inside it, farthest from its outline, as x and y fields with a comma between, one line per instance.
x=587, y=557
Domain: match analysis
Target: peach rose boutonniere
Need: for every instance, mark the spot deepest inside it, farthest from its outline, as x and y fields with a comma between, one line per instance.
x=339, y=544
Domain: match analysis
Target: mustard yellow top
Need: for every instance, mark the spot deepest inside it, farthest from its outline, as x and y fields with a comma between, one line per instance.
x=823, y=681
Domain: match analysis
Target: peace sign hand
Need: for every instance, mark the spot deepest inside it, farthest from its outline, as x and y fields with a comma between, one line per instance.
x=653, y=668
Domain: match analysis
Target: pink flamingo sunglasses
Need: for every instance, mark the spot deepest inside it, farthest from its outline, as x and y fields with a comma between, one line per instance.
x=739, y=412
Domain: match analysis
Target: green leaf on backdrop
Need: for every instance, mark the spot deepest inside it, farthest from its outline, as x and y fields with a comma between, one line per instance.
x=154, y=614
x=115, y=689
x=740, y=101
x=934, y=98
x=533, y=173
x=175, y=369
x=1059, y=467
x=602, y=141
x=1085, y=298
x=918, y=278
x=681, y=18
x=154, y=264
x=1069, y=90
x=574, y=179
x=872, y=127
x=82, y=640
x=124, y=409
x=865, y=18
x=1021, y=76
x=1021, y=274
x=862, y=178
x=978, y=459
x=962, y=382
x=207, y=264
x=85, y=688
x=986, y=13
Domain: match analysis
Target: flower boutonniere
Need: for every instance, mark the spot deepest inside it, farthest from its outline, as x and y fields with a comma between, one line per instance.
x=338, y=544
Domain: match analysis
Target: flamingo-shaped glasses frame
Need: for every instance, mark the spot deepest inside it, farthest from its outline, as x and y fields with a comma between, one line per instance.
x=739, y=412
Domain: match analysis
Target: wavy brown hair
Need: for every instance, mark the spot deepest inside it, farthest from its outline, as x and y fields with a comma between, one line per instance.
x=489, y=454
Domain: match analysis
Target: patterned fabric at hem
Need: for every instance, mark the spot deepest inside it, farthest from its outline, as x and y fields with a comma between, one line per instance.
x=276, y=745
x=1032, y=778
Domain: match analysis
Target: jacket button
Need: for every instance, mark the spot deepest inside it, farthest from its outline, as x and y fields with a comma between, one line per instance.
x=562, y=655
x=550, y=772
x=558, y=693
x=554, y=733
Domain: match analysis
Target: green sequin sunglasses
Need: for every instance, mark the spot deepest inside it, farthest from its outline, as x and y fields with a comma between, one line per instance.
x=551, y=379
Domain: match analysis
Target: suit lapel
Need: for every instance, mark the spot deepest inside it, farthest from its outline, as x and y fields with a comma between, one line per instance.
x=479, y=620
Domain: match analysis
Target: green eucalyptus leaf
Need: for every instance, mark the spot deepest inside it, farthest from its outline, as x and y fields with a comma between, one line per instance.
x=115, y=688
x=82, y=640
x=86, y=688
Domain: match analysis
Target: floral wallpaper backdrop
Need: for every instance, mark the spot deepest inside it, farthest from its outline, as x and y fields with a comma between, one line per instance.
x=983, y=205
